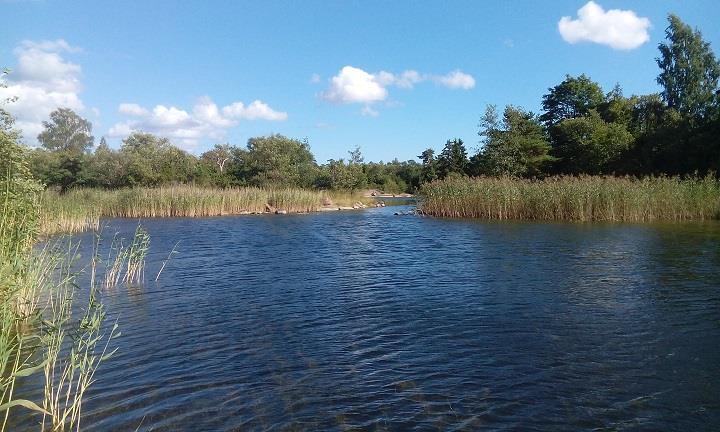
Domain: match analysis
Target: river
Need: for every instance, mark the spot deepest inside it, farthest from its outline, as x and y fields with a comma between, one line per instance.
x=368, y=321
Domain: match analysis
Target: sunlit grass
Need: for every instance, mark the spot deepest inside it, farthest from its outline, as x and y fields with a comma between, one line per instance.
x=585, y=198
x=81, y=209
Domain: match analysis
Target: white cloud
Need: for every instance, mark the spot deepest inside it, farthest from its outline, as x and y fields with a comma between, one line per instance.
x=42, y=81
x=406, y=79
x=132, y=109
x=187, y=129
x=257, y=110
x=619, y=29
x=354, y=85
x=456, y=79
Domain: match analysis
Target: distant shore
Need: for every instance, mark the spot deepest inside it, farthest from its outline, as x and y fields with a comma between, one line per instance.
x=570, y=198
x=81, y=209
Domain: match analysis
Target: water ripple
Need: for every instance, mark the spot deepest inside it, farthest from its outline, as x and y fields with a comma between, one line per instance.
x=367, y=321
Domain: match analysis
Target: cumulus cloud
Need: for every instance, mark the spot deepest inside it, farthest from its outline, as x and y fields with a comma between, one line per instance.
x=132, y=109
x=187, y=129
x=257, y=110
x=354, y=85
x=619, y=29
x=457, y=80
x=41, y=81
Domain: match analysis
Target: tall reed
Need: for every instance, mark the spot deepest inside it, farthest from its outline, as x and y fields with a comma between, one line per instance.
x=135, y=268
x=584, y=198
x=81, y=209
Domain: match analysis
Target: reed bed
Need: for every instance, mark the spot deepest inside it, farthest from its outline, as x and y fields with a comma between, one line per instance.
x=584, y=198
x=81, y=209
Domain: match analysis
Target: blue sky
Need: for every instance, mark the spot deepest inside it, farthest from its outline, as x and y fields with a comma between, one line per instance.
x=408, y=75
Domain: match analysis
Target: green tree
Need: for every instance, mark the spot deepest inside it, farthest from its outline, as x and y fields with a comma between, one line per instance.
x=452, y=159
x=689, y=71
x=356, y=174
x=429, y=166
x=18, y=196
x=219, y=156
x=280, y=161
x=515, y=147
x=105, y=167
x=590, y=145
x=151, y=161
x=66, y=131
x=617, y=108
x=574, y=97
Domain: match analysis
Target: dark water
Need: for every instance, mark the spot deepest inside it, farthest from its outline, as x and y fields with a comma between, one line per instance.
x=369, y=321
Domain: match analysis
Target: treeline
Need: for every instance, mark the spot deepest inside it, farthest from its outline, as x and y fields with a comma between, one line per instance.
x=582, y=130
x=66, y=159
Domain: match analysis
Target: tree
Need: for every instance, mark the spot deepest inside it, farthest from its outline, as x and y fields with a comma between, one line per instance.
x=66, y=131
x=574, y=97
x=589, y=145
x=617, y=108
x=152, y=161
x=105, y=168
x=19, y=192
x=7, y=122
x=356, y=156
x=689, y=71
x=280, y=161
x=516, y=147
x=453, y=158
x=218, y=156
x=429, y=172
x=356, y=175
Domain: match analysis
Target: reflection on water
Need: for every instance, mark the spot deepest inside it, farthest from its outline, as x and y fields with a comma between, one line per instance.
x=365, y=320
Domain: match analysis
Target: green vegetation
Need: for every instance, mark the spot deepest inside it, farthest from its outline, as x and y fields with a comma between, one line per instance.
x=145, y=160
x=44, y=330
x=585, y=198
x=581, y=131
x=558, y=165
x=585, y=131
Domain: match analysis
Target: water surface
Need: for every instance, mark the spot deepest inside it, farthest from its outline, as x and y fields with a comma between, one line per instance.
x=368, y=321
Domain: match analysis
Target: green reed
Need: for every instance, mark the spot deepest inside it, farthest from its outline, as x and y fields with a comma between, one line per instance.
x=584, y=198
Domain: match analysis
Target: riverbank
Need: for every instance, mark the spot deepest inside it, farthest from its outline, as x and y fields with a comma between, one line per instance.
x=584, y=198
x=81, y=209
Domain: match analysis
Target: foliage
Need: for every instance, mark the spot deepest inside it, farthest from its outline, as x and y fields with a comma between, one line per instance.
x=279, y=161
x=689, y=71
x=429, y=170
x=452, y=159
x=66, y=131
x=37, y=307
x=574, y=97
x=590, y=145
x=517, y=147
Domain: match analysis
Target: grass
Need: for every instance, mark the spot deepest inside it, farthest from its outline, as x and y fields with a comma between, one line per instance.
x=584, y=198
x=44, y=329
x=81, y=209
